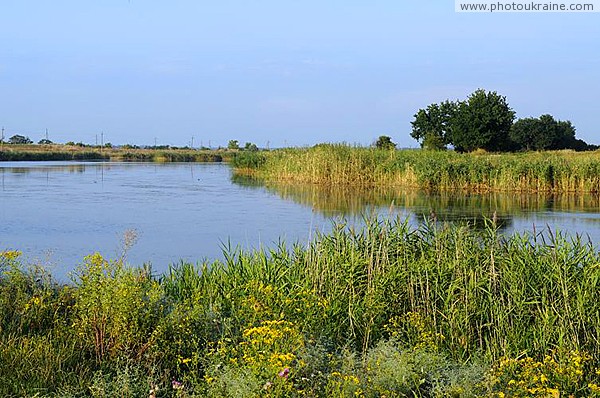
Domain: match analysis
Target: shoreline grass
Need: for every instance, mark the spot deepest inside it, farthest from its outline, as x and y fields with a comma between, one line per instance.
x=68, y=152
x=338, y=164
x=386, y=309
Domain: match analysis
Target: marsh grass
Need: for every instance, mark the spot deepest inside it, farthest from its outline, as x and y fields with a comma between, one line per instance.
x=382, y=309
x=66, y=152
x=338, y=164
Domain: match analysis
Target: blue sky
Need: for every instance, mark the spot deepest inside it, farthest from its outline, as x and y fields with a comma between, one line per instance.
x=283, y=72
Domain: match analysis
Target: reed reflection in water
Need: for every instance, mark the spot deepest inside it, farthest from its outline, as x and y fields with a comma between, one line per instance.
x=476, y=209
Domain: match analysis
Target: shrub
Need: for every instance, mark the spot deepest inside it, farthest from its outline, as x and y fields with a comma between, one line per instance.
x=116, y=308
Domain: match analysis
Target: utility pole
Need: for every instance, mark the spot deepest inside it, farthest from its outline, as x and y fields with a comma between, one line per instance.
x=46, y=134
x=192, y=142
x=101, y=141
x=2, y=142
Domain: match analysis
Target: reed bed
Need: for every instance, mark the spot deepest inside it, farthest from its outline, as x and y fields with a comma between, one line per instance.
x=62, y=152
x=383, y=309
x=337, y=164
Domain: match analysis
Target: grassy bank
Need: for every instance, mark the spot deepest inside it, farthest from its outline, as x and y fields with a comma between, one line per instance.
x=556, y=172
x=386, y=310
x=67, y=152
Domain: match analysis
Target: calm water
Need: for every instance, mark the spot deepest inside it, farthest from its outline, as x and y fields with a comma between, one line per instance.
x=58, y=212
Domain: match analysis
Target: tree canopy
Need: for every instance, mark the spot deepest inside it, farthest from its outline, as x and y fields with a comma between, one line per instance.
x=482, y=121
x=433, y=125
x=19, y=139
x=233, y=144
x=485, y=120
x=384, y=142
x=543, y=133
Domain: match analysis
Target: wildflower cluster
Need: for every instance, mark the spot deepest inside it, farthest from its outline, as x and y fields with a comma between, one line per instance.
x=554, y=376
x=270, y=347
x=414, y=330
x=10, y=255
x=267, y=353
x=262, y=301
x=344, y=385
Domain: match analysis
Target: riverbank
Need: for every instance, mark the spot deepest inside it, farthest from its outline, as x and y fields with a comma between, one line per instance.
x=385, y=310
x=74, y=152
x=553, y=171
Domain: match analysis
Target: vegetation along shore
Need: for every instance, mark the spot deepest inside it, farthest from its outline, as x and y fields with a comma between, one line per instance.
x=37, y=152
x=386, y=310
x=339, y=164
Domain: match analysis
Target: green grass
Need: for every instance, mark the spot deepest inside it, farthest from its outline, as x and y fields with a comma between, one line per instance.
x=386, y=309
x=65, y=152
x=556, y=172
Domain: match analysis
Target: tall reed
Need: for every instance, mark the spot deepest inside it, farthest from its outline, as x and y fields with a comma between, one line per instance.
x=432, y=294
x=337, y=164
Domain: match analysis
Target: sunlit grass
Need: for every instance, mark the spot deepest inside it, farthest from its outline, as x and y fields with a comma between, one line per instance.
x=384, y=309
x=558, y=171
x=67, y=152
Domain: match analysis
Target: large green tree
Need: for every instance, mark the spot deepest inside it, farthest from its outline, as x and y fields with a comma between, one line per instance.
x=544, y=133
x=233, y=144
x=432, y=126
x=483, y=121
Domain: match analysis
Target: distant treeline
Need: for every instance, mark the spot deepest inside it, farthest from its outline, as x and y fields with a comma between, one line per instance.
x=63, y=152
x=486, y=121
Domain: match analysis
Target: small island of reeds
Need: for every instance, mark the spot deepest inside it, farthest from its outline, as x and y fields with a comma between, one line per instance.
x=339, y=164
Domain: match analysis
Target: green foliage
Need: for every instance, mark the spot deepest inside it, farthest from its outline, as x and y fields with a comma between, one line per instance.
x=433, y=126
x=19, y=140
x=483, y=121
x=249, y=146
x=544, y=133
x=40, y=363
x=248, y=160
x=556, y=172
x=127, y=153
x=124, y=382
x=555, y=375
x=116, y=308
x=233, y=144
x=45, y=141
x=386, y=309
x=384, y=142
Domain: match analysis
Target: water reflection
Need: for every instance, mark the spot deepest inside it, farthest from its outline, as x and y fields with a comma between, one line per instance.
x=71, y=168
x=477, y=209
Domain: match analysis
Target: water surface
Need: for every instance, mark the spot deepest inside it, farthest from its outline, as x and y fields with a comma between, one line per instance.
x=58, y=212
